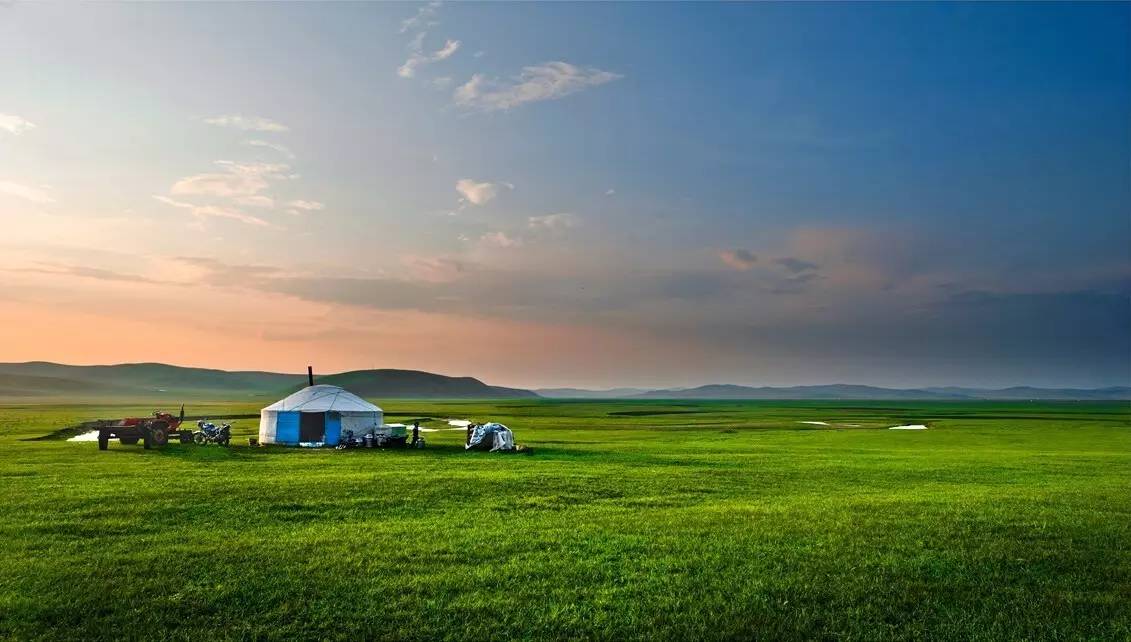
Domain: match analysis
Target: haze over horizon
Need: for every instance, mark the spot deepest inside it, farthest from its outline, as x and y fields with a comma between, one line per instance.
x=573, y=195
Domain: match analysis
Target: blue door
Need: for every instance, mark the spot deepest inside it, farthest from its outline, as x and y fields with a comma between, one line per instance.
x=333, y=428
x=286, y=428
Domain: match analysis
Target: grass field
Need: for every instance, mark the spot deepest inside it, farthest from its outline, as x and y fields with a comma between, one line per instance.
x=644, y=520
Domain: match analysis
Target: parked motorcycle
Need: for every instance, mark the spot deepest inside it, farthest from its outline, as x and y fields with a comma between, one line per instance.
x=210, y=433
x=348, y=441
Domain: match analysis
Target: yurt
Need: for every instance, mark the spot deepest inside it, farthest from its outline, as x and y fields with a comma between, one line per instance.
x=317, y=414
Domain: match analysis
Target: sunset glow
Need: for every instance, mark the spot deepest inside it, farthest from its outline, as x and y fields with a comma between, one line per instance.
x=742, y=193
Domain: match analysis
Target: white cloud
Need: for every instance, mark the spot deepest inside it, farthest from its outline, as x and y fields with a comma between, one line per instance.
x=237, y=185
x=445, y=52
x=214, y=211
x=408, y=69
x=308, y=206
x=478, y=193
x=258, y=200
x=553, y=222
x=238, y=180
x=500, y=239
x=417, y=59
x=27, y=192
x=14, y=124
x=548, y=81
x=610, y=192
x=282, y=149
x=423, y=19
x=247, y=123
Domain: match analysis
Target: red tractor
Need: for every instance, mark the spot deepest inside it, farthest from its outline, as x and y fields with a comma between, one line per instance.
x=150, y=431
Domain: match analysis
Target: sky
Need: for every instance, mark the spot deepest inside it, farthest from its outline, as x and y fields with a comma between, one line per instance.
x=572, y=194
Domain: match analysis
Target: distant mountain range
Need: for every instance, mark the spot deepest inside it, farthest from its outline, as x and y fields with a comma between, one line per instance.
x=579, y=393
x=417, y=384
x=845, y=392
x=40, y=379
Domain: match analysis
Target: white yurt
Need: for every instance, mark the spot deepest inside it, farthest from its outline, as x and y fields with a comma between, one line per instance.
x=317, y=414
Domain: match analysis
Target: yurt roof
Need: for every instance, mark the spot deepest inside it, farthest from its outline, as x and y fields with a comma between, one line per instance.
x=323, y=398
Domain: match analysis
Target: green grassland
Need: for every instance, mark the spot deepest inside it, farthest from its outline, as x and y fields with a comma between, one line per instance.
x=628, y=520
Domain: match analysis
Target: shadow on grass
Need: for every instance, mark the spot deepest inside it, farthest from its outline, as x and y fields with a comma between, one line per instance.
x=66, y=432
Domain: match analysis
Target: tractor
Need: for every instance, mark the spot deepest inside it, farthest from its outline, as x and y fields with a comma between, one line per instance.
x=150, y=431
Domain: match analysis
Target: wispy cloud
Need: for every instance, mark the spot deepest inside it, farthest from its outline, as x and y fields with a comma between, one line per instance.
x=417, y=59
x=236, y=181
x=479, y=193
x=738, y=259
x=214, y=272
x=214, y=211
x=39, y=195
x=299, y=206
x=247, y=123
x=14, y=124
x=258, y=200
x=553, y=222
x=425, y=17
x=548, y=81
x=88, y=272
x=282, y=149
x=500, y=239
x=421, y=23
x=610, y=192
x=238, y=185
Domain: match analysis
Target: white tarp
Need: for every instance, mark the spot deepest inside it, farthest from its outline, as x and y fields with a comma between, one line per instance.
x=504, y=440
x=499, y=436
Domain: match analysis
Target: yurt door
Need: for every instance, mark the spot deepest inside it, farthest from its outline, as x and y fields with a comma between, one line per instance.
x=312, y=427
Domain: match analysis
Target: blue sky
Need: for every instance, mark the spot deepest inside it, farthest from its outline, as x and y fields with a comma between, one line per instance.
x=578, y=193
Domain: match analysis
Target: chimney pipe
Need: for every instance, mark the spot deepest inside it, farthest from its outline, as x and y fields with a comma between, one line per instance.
x=310, y=374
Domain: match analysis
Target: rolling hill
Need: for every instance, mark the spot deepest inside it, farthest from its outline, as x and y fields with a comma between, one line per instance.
x=159, y=381
x=1023, y=393
x=41, y=378
x=417, y=384
x=581, y=393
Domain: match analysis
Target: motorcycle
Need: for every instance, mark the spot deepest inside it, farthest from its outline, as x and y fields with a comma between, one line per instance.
x=210, y=433
x=348, y=441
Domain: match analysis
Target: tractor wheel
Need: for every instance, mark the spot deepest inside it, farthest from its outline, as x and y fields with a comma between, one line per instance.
x=159, y=431
x=103, y=441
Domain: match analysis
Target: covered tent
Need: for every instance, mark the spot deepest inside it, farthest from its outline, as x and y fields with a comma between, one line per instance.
x=317, y=414
x=489, y=436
